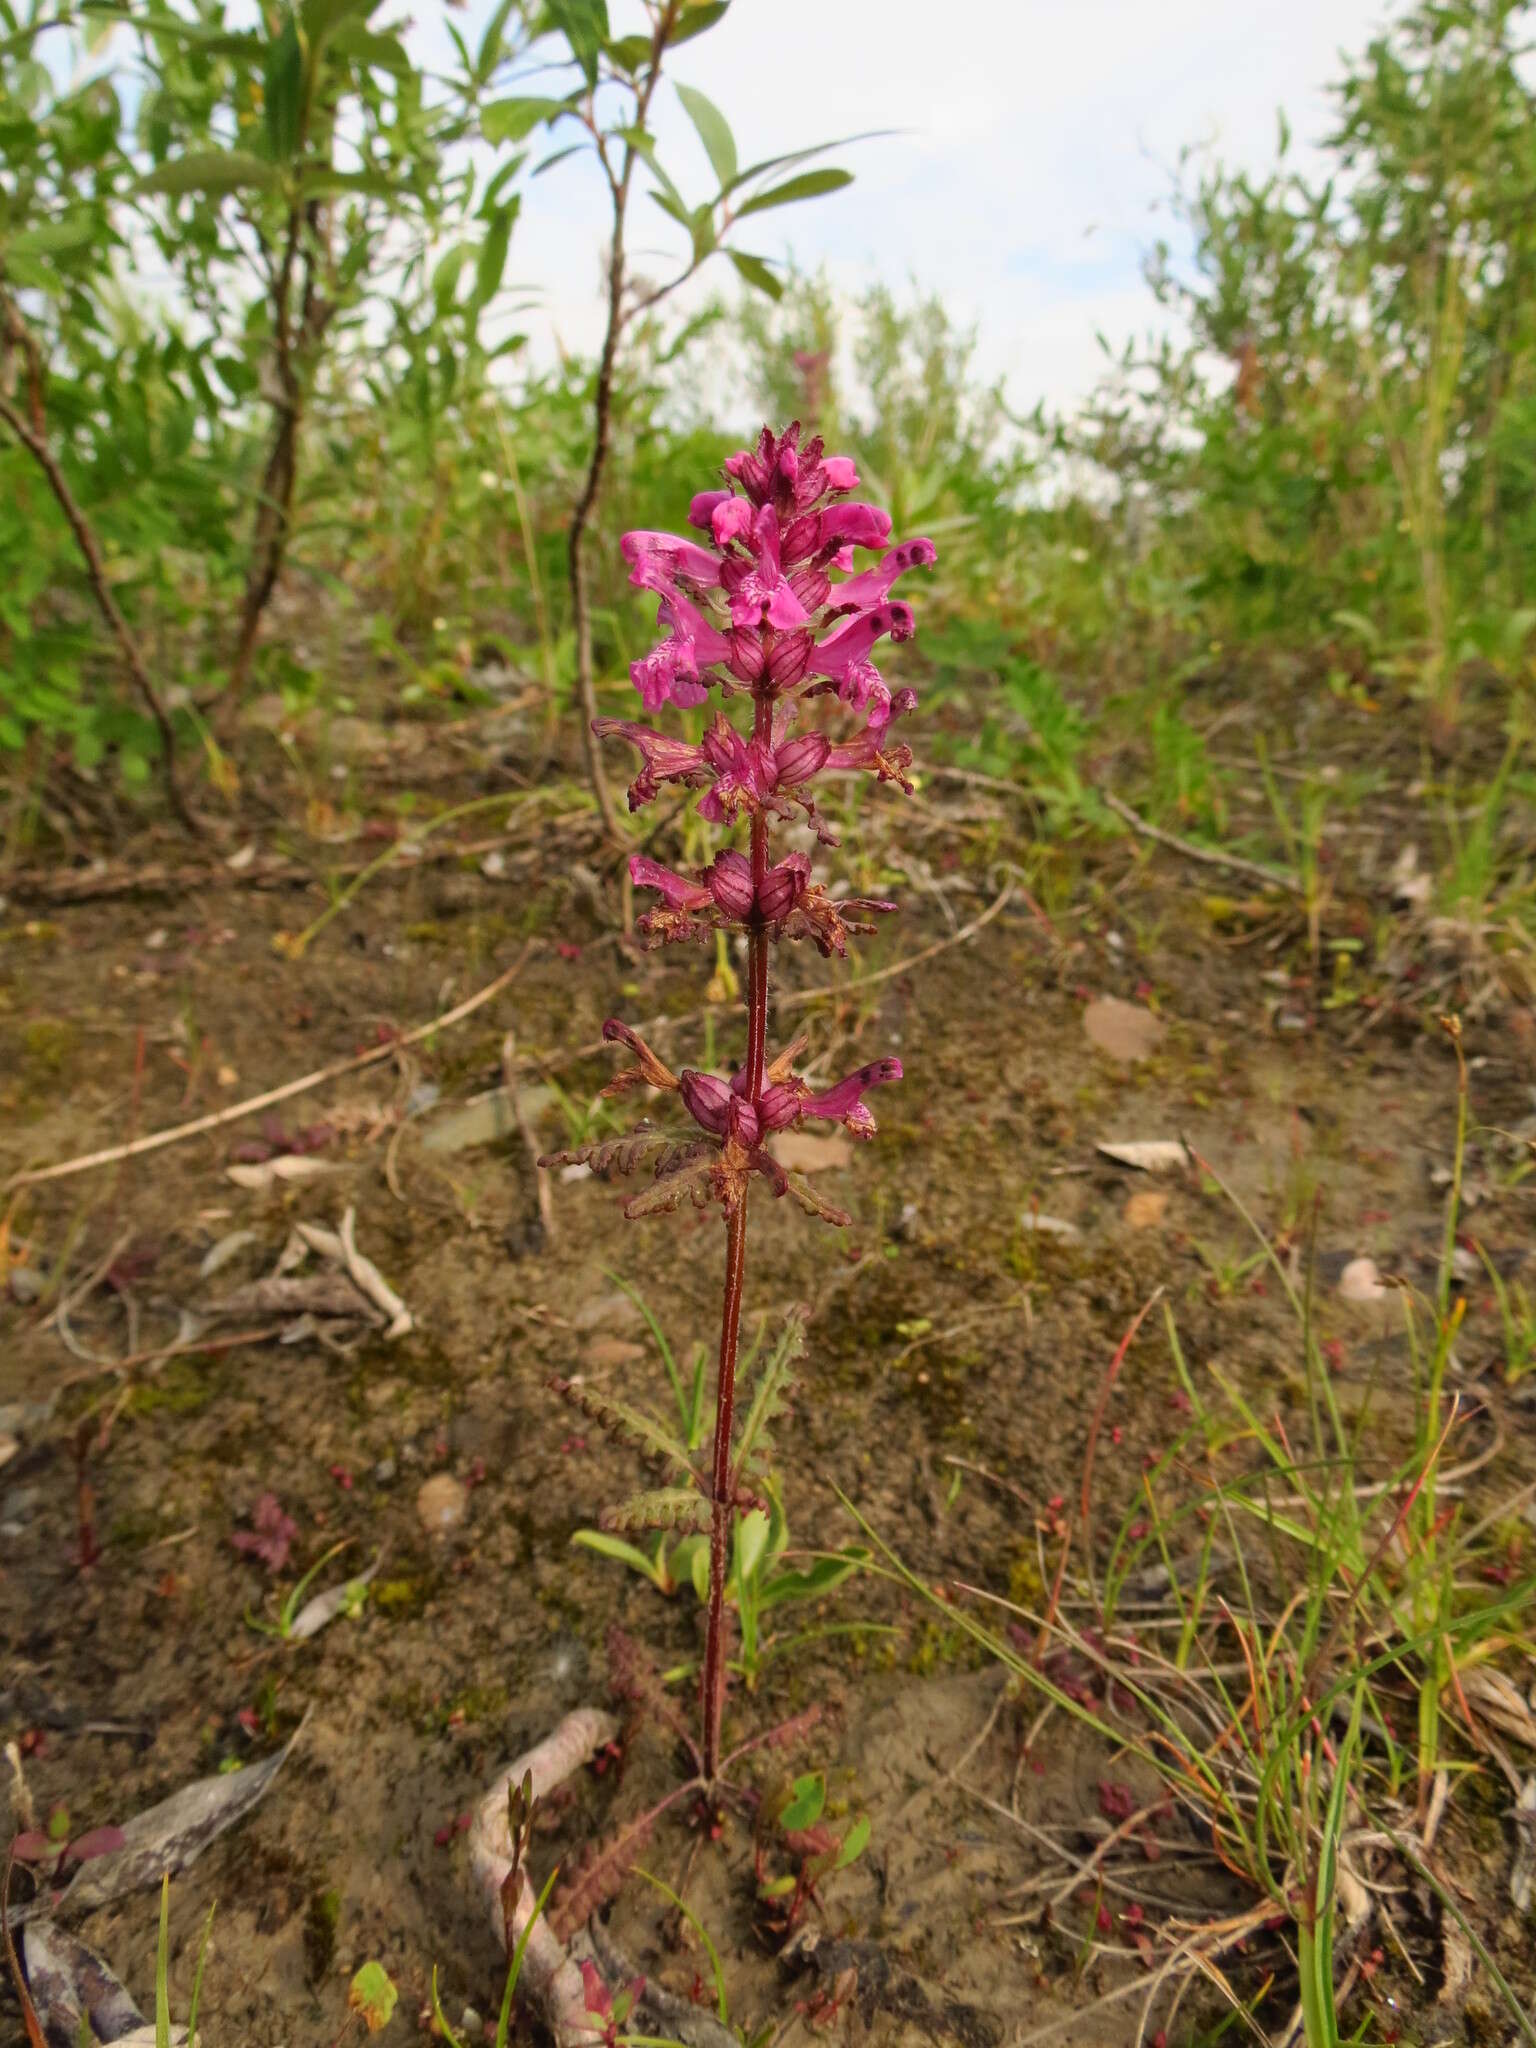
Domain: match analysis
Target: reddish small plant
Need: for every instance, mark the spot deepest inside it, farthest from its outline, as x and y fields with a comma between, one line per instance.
x=751, y=608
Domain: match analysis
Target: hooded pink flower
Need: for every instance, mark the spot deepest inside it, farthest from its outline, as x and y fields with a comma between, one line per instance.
x=756, y=587
x=663, y=759
x=843, y=657
x=873, y=586
x=657, y=560
x=844, y=1104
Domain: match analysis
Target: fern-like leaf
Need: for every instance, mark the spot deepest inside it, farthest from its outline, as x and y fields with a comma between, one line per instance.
x=635, y=1679
x=631, y=1426
x=768, y=1394
x=671, y=1507
x=643, y=1146
x=814, y=1204
x=599, y=1877
x=693, y=1181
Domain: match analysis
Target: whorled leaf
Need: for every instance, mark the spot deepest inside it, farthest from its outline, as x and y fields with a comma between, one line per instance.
x=669, y=1507
x=630, y=1426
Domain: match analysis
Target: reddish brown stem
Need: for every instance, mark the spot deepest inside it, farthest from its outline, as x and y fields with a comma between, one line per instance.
x=720, y=1515
x=722, y=1489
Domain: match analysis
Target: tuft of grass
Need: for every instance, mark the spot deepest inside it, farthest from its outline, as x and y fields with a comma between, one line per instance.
x=1284, y=1627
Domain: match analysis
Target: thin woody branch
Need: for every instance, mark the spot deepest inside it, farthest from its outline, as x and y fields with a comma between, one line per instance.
x=32, y=435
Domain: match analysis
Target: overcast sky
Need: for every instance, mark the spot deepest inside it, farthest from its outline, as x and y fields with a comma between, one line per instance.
x=1038, y=141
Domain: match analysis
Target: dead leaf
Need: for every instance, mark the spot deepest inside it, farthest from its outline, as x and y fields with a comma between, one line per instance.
x=341, y=1246
x=1361, y=1281
x=1498, y=1699
x=69, y=1983
x=318, y=1613
x=242, y=859
x=1456, y=1962
x=604, y=1353
x=173, y=1834
x=805, y=1152
x=266, y=1173
x=1049, y=1226
x=310, y=1294
x=1146, y=1209
x=226, y=1248
x=1522, y=1879
x=1147, y=1155
x=1124, y=1030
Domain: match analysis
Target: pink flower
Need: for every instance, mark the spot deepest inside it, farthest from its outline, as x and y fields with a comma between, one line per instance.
x=670, y=673
x=676, y=891
x=663, y=759
x=874, y=585
x=730, y=520
x=745, y=771
x=757, y=589
x=843, y=657
x=841, y=474
x=783, y=887
x=730, y=884
x=844, y=1103
x=702, y=509
x=656, y=560
x=852, y=525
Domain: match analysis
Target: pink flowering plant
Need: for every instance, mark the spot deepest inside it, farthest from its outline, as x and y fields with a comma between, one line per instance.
x=768, y=603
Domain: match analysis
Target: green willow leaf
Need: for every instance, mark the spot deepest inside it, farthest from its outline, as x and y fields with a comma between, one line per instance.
x=213, y=173
x=756, y=272
x=514, y=120
x=714, y=132
x=809, y=185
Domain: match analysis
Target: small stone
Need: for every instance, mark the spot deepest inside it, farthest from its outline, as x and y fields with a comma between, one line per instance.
x=471, y=2026
x=26, y=1284
x=384, y=1471
x=441, y=1503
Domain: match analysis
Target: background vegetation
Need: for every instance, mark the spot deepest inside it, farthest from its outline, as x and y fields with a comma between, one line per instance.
x=263, y=428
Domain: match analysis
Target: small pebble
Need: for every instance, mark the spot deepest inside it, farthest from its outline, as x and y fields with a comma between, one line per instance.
x=384, y=1471
x=441, y=1504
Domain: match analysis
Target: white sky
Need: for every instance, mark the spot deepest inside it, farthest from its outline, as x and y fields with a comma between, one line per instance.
x=1038, y=141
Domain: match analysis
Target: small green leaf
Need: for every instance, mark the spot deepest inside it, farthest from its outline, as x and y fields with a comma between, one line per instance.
x=803, y=1808
x=809, y=185
x=371, y=50
x=283, y=93
x=53, y=237
x=492, y=260
x=853, y=1844
x=630, y=53
x=755, y=270
x=162, y=1967
x=616, y=1548
x=714, y=132
x=372, y=1994
x=213, y=173
x=559, y=157
x=696, y=21
x=513, y=120
x=584, y=24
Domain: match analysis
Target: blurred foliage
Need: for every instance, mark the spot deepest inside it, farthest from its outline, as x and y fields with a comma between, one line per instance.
x=224, y=243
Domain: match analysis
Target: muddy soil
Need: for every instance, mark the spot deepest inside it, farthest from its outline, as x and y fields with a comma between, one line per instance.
x=960, y=1333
